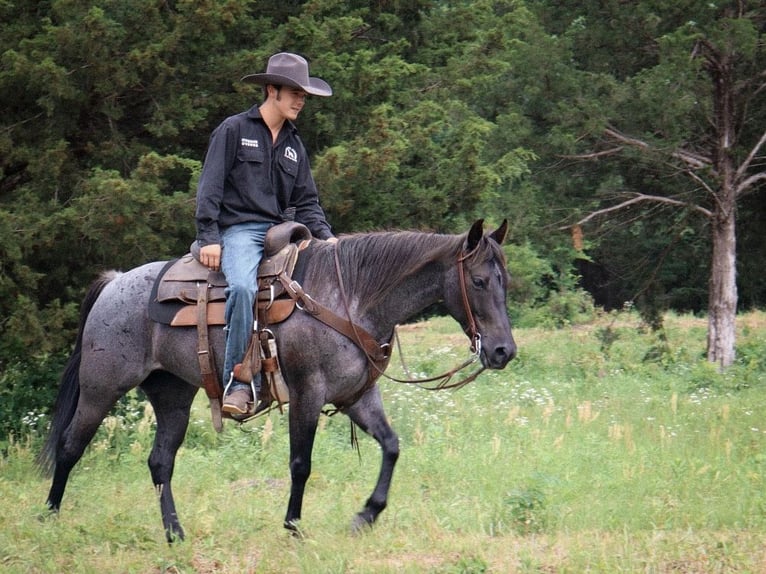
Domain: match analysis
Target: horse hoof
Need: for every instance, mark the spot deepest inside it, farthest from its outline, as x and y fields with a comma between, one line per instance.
x=295, y=530
x=360, y=525
x=175, y=535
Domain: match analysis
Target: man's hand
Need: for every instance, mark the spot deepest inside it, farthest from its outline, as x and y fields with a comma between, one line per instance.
x=332, y=240
x=210, y=256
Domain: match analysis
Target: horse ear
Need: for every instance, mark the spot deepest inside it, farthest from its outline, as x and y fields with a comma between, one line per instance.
x=500, y=233
x=474, y=235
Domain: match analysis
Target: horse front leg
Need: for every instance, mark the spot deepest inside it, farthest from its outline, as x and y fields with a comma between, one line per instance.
x=303, y=416
x=369, y=415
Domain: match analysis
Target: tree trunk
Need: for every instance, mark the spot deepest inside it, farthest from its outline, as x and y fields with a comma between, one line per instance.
x=722, y=304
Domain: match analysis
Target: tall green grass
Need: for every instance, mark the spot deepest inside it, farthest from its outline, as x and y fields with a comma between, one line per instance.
x=602, y=448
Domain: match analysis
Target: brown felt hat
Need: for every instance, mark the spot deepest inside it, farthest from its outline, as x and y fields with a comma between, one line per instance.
x=286, y=69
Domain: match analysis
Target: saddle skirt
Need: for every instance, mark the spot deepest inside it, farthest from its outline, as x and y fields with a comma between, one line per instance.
x=183, y=281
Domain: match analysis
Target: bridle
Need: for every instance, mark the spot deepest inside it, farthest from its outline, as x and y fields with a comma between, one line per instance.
x=472, y=331
x=442, y=381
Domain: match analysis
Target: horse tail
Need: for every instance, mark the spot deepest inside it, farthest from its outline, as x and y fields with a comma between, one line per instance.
x=69, y=386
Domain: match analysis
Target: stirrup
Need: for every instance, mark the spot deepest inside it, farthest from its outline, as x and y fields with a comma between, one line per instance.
x=251, y=411
x=262, y=406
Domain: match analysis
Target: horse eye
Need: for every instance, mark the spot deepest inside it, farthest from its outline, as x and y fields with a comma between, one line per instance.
x=478, y=282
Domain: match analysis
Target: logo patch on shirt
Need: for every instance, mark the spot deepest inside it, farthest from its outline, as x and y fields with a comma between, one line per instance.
x=291, y=154
x=245, y=142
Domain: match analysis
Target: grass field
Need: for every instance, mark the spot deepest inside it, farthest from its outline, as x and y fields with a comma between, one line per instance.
x=602, y=448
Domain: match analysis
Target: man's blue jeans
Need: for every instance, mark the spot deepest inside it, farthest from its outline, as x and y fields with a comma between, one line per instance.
x=242, y=252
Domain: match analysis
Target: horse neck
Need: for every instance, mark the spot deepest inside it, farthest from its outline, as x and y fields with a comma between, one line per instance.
x=412, y=295
x=391, y=277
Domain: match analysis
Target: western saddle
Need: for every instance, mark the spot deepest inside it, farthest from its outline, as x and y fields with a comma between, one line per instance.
x=201, y=293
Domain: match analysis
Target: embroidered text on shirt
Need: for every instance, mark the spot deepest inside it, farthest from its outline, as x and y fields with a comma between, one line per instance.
x=249, y=143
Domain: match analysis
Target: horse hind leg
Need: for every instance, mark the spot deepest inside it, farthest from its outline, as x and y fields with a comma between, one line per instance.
x=76, y=417
x=369, y=415
x=171, y=398
x=70, y=449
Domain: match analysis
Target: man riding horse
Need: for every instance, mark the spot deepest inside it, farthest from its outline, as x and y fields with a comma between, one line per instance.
x=256, y=174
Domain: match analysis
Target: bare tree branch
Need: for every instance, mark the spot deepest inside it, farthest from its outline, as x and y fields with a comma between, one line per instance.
x=692, y=159
x=17, y=124
x=745, y=165
x=702, y=182
x=761, y=86
x=637, y=198
x=745, y=186
x=594, y=155
x=693, y=162
x=613, y=133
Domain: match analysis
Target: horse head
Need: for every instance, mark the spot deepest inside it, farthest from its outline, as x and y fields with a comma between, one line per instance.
x=475, y=294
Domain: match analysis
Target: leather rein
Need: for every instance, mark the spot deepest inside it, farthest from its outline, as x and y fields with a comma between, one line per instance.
x=442, y=381
x=378, y=355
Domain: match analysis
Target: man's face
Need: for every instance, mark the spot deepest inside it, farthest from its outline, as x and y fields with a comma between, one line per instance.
x=290, y=101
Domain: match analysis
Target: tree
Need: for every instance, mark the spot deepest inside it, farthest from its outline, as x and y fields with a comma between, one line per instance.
x=702, y=106
x=442, y=112
x=426, y=150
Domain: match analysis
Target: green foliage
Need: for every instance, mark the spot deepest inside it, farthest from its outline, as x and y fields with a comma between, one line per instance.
x=465, y=565
x=27, y=393
x=417, y=184
x=750, y=353
x=530, y=274
x=607, y=335
x=442, y=113
x=525, y=508
x=542, y=295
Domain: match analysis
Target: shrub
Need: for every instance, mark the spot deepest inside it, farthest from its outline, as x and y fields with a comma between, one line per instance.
x=526, y=509
x=27, y=393
x=542, y=296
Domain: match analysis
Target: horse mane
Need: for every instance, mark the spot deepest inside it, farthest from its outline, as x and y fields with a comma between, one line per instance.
x=375, y=263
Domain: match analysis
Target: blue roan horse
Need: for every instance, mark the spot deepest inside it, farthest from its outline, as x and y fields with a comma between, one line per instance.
x=387, y=278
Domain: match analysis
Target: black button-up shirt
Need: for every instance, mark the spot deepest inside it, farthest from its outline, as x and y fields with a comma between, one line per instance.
x=247, y=178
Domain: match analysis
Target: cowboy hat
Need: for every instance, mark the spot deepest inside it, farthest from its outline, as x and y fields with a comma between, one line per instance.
x=286, y=69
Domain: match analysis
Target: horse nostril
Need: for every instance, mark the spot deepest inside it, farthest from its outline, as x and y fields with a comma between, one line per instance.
x=505, y=354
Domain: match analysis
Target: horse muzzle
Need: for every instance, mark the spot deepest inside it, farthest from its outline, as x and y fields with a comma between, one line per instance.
x=497, y=356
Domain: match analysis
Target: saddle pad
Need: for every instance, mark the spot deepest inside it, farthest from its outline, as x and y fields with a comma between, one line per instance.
x=163, y=312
